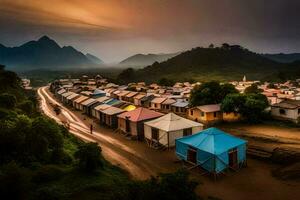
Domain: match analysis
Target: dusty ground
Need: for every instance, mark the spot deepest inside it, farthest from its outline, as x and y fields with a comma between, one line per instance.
x=252, y=182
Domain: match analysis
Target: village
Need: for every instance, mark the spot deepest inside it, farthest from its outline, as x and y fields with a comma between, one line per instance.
x=150, y=129
x=162, y=115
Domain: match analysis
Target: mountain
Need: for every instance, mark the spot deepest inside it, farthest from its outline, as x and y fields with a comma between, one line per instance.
x=94, y=59
x=142, y=60
x=44, y=53
x=283, y=58
x=229, y=62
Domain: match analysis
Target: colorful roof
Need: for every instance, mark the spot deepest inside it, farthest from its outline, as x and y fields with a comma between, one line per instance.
x=140, y=114
x=212, y=140
x=129, y=108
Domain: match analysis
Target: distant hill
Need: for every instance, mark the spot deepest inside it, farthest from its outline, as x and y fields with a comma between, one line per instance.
x=229, y=62
x=44, y=53
x=142, y=60
x=94, y=59
x=283, y=58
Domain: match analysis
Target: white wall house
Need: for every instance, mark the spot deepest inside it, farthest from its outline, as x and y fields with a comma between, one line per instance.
x=287, y=110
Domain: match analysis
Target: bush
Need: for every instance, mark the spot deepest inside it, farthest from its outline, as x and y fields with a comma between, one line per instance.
x=89, y=157
x=7, y=101
x=14, y=182
x=47, y=173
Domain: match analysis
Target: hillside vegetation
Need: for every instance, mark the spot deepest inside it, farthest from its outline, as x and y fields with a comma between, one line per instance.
x=41, y=160
x=228, y=62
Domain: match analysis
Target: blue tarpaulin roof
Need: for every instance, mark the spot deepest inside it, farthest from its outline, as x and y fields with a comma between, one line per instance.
x=97, y=91
x=112, y=101
x=212, y=140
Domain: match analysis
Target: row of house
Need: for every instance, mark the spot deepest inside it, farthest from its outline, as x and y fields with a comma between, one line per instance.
x=211, y=149
x=153, y=118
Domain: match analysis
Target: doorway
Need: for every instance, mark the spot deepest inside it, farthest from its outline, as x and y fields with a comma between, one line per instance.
x=192, y=155
x=233, y=158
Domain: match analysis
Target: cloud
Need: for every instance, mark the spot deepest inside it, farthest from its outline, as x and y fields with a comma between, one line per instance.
x=116, y=28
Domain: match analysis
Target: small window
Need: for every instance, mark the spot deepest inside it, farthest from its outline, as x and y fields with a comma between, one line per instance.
x=282, y=112
x=215, y=114
x=187, y=131
x=177, y=109
x=155, y=105
x=202, y=114
x=192, y=112
x=155, y=134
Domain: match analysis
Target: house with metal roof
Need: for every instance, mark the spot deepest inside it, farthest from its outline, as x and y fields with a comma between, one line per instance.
x=132, y=122
x=109, y=116
x=156, y=103
x=77, y=102
x=180, y=107
x=288, y=110
x=166, y=105
x=207, y=114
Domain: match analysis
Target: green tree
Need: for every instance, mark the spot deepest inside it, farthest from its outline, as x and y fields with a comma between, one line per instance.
x=89, y=157
x=210, y=93
x=127, y=75
x=7, y=101
x=45, y=139
x=250, y=106
x=253, y=89
x=166, y=82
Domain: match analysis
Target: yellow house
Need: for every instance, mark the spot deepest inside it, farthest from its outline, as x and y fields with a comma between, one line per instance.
x=207, y=114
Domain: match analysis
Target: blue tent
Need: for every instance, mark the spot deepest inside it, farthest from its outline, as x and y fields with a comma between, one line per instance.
x=98, y=93
x=212, y=149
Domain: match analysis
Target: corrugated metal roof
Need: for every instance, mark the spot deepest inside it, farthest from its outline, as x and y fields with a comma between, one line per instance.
x=210, y=108
x=140, y=114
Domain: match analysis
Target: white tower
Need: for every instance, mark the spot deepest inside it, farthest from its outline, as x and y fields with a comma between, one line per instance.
x=244, y=79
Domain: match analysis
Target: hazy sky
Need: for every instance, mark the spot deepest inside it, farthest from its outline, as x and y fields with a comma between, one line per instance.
x=116, y=29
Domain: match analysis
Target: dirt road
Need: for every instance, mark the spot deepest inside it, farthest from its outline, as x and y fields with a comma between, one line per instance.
x=253, y=182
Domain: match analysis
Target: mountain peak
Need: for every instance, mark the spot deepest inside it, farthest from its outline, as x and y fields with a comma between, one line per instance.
x=46, y=41
x=44, y=38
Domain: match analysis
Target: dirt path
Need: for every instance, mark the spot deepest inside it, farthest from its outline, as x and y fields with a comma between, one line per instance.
x=129, y=155
x=252, y=182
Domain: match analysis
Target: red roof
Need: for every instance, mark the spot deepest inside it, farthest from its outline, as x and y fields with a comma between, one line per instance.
x=140, y=114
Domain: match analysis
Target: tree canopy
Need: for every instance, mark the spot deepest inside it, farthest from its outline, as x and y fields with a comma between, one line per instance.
x=250, y=106
x=253, y=89
x=210, y=93
x=89, y=157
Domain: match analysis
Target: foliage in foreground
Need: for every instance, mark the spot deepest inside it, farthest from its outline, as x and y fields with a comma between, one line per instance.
x=40, y=160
